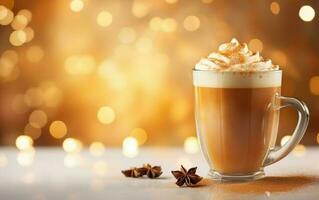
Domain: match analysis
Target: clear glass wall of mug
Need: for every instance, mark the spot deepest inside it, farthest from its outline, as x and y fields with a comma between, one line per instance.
x=237, y=117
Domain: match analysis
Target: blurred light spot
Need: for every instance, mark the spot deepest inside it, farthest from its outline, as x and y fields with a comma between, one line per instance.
x=76, y=5
x=26, y=158
x=191, y=23
x=207, y=1
x=24, y=142
x=127, y=35
x=140, y=8
x=33, y=97
x=307, y=13
x=3, y=12
x=79, y=64
x=299, y=150
x=183, y=161
x=104, y=19
x=3, y=160
x=19, y=22
x=106, y=115
x=17, y=38
x=130, y=147
x=99, y=168
x=275, y=8
x=171, y=1
x=144, y=45
x=71, y=145
x=97, y=149
x=35, y=54
x=38, y=119
x=155, y=23
x=30, y=34
x=191, y=145
x=268, y=194
x=318, y=138
x=6, y=67
x=32, y=131
x=279, y=58
x=11, y=55
x=58, y=129
x=314, y=85
x=168, y=25
x=255, y=45
x=72, y=160
x=140, y=135
x=26, y=13
x=6, y=15
x=284, y=140
x=18, y=104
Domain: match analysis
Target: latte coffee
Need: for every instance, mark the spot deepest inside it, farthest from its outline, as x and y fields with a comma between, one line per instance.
x=236, y=118
x=237, y=96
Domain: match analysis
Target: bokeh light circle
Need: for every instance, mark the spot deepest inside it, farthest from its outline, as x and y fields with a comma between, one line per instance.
x=191, y=145
x=106, y=115
x=130, y=147
x=140, y=135
x=104, y=19
x=38, y=118
x=97, y=149
x=76, y=5
x=24, y=142
x=71, y=145
x=255, y=45
x=307, y=13
x=58, y=129
x=17, y=38
x=35, y=54
x=191, y=23
x=275, y=8
x=32, y=131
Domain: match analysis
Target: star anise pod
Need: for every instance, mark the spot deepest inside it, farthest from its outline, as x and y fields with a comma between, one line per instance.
x=151, y=172
x=133, y=172
x=189, y=178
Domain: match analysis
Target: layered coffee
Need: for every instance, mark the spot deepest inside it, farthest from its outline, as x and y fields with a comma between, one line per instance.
x=236, y=115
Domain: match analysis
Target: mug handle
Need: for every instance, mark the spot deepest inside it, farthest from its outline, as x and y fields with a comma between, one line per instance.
x=303, y=119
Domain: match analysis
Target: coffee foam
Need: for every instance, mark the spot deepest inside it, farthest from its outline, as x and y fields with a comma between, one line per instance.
x=213, y=79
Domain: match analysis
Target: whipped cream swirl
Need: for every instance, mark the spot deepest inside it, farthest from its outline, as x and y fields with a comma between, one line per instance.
x=235, y=56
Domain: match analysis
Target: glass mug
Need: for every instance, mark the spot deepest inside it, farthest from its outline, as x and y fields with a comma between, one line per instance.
x=237, y=117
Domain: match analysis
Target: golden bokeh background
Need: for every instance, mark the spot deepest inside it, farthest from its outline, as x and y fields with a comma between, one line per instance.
x=109, y=73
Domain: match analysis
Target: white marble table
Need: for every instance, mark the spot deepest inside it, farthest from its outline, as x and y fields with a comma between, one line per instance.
x=55, y=175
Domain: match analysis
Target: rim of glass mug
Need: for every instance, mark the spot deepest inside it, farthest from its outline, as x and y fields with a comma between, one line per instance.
x=231, y=79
